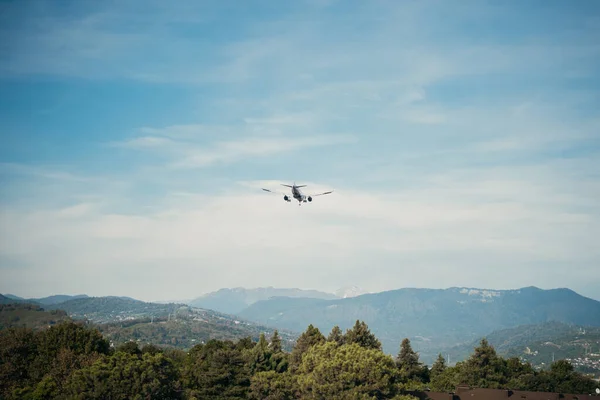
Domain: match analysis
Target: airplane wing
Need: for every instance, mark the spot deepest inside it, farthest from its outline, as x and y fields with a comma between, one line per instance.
x=321, y=194
x=277, y=192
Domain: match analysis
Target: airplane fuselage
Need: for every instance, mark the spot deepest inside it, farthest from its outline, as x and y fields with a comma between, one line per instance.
x=297, y=193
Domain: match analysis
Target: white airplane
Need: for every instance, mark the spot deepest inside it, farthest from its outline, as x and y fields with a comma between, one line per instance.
x=297, y=194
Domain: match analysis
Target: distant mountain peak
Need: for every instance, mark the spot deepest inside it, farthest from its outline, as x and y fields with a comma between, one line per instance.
x=12, y=296
x=349, y=291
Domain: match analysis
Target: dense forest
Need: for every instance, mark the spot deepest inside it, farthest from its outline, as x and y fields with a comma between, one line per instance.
x=74, y=361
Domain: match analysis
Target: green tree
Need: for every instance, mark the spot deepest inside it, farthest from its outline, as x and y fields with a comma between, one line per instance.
x=18, y=351
x=47, y=388
x=260, y=356
x=407, y=361
x=217, y=369
x=63, y=366
x=125, y=375
x=518, y=373
x=484, y=368
x=275, y=344
x=312, y=336
x=151, y=349
x=438, y=366
x=129, y=347
x=329, y=371
x=336, y=335
x=563, y=378
x=279, y=360
x=361, y=335
x=245, y=343
x=270, y=385
x=80, y=340
x=447, y=380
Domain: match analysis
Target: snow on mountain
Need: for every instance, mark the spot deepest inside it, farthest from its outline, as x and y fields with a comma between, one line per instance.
x=349, y=291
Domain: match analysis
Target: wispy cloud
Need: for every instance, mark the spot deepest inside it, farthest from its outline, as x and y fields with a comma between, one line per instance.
x=397, y=41
x=254, y=147
x=196, y=154
x=42, y=172
x=468, y=224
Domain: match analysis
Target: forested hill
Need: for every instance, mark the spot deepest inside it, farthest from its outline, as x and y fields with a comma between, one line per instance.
x=57, y=299
x=434, y=319
x=540, y=343
x=174, y=325
x=49, y=300
x=112, y=308
x=29, y=316
x=233, y=301
x=10, y=300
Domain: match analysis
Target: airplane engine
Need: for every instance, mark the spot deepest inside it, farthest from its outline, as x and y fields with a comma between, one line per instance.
x=309, y=198
x=286, y=198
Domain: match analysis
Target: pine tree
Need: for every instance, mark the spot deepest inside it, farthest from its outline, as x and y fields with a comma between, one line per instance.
x=275, y=342
x=308, y=338
x=336, y=335
x=350, y=371
x=438, y=366
x=408, y=363
x=279, y=360
x=361, y=335
x=260, y=355
x=485, y=368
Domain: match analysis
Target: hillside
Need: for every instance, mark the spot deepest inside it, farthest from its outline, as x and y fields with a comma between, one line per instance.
x=46, y=301
x=580, y=345
x=193, y=327
x=112, y=309
x=233, y=301
x=434, y=319
x=176, y=325
x=11, y=300
x=29, y=316
x=539, y=343
x=12, y=296
x=514, y=340
x=57, y=299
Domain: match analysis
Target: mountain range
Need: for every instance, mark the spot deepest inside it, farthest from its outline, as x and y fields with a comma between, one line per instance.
x=433, y=319
x=448, y=321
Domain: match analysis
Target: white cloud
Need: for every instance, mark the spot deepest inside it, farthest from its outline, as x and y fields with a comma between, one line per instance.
x=234, y=151
x=459, y=225
x=45, y=172
x=197, y=153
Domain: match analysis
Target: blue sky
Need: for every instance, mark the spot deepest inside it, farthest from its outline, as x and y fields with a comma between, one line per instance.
x=462, y=140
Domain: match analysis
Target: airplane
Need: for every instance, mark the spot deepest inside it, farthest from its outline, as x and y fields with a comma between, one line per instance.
x=297, y=194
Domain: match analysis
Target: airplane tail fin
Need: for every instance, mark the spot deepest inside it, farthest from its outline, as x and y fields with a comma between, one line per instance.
x=298, y=186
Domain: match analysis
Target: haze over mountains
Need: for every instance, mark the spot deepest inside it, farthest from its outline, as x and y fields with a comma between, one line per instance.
x=233, y=301
x=435, y=320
